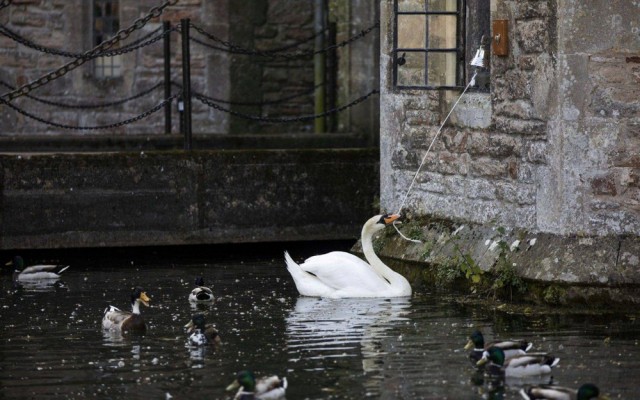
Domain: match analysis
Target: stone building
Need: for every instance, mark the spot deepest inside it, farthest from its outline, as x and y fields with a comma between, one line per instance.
x=548, y=155
x=223, y=32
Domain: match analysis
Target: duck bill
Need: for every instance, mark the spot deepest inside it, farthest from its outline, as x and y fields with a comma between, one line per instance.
x=144, y=299
x=9, y=263
x=482, y=361
x=233, y=386
x=189, y=325
x=392, y=218
x=469, y=345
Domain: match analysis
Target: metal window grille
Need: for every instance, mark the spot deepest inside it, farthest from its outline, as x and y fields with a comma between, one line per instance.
x=428, y=44
x=106, y=23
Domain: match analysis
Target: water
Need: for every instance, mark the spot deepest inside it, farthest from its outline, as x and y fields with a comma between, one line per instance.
x=53, y=345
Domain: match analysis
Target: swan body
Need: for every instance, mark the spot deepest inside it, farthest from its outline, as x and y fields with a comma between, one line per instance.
x=117, y=320
x=522, y=366
x=201, y=293
x=588, y=391
x=35, y=272
x=511, y=348
x=201, y=333
x=267, y=388
x=342, y=275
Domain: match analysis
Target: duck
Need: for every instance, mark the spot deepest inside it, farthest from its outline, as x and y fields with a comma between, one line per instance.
x=35, y=272
x=588, y=391
x=201, y=294
x=267, y=388
x=511, y=348
x=117, y=320
x=340, y=274
x=522, y=366
x=201, y=333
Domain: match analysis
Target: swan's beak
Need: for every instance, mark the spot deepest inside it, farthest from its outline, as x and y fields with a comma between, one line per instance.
x=391, y=218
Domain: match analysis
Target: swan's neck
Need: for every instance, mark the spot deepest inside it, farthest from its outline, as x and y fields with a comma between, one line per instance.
x=395, y=279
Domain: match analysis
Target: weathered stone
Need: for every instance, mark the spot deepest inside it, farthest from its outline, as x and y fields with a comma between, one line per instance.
x=532, y=35
x=604, y=185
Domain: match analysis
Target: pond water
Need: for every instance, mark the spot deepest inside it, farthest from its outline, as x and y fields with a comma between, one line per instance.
x=53, y=345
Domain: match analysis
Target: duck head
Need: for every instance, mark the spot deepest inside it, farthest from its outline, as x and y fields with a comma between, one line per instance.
x=476, y=341
x=493, y=354
x=244, y=379
x=139, y=296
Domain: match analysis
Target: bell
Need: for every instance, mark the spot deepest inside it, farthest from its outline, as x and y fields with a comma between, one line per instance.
x=478, y=59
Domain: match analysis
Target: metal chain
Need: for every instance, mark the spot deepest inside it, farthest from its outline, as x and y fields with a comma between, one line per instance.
x=128, y=48
x=235, y=49
x=97, y=127
x=88, y=106
x=253, y=103
x=281, y=120
x=155, y=12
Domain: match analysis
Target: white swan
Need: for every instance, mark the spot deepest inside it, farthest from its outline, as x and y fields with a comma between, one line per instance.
x=339, y=274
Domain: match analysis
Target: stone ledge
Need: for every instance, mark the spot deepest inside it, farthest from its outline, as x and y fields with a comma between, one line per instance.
x=559, y=270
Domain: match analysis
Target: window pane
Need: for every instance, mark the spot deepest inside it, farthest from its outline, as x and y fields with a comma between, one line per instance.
x=411, y=5
x=411, y=31
x=412, y=72
x=441, y=69
x=442, y=5
x=442, y=31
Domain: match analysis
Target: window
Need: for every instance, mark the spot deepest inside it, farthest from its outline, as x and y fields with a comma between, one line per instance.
x=106, y=23
x=429, y=44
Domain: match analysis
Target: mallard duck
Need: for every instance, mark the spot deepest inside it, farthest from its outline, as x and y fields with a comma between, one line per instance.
x=201, y=333
x=201, y=294
x=124, y=321
x=511, y=348
x=35, y=272
x=588, y=391
x=519, y=366
x=268, y=388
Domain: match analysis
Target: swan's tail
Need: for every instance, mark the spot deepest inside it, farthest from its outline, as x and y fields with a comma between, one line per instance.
x=289, y=261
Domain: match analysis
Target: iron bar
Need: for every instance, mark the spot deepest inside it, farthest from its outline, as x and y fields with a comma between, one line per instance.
x=319, y=60
x=167, y=77
x=186, y=83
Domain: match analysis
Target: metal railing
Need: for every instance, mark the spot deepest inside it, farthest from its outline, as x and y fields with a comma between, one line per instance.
x=189, y=32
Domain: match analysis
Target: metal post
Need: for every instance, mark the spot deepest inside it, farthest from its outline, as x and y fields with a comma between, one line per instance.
x=332, y=79
x=186, y=83
x=166, y=25
x=319, y=74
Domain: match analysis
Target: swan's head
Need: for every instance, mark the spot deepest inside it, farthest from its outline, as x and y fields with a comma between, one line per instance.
x=379, y=222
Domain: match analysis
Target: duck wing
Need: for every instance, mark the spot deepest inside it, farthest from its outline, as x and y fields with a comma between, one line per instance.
x=42, y=272
x=271, y=388
x=548, y=392
x=114, y=317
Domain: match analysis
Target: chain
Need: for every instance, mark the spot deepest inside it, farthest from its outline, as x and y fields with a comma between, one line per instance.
x=87, y=106
x=130, y=47
x=4, y=3
x=303, y=118
x=235, y=49
x=253, y=103
x=155, y=12
x=97, y=127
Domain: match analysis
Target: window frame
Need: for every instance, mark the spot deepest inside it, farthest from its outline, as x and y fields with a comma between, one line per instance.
x=459, y=50
x=110, y=67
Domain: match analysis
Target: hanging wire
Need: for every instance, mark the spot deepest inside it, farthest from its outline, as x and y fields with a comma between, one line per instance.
x=424, y=158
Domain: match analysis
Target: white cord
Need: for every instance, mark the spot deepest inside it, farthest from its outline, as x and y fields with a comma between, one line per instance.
x=413, y=181
x=424, y=158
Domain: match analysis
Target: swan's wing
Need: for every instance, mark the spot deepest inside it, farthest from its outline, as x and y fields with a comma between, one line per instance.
x=340, y=270
x=307, y=284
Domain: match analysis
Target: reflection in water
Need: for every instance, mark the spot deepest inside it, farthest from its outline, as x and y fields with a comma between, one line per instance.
x=326, y=328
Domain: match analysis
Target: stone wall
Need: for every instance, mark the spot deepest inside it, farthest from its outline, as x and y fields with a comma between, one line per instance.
x=235, y=78
x=153, y=198
x=553, y=148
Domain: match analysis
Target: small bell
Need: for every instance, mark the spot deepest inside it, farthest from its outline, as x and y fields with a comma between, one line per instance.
x=478, y=59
